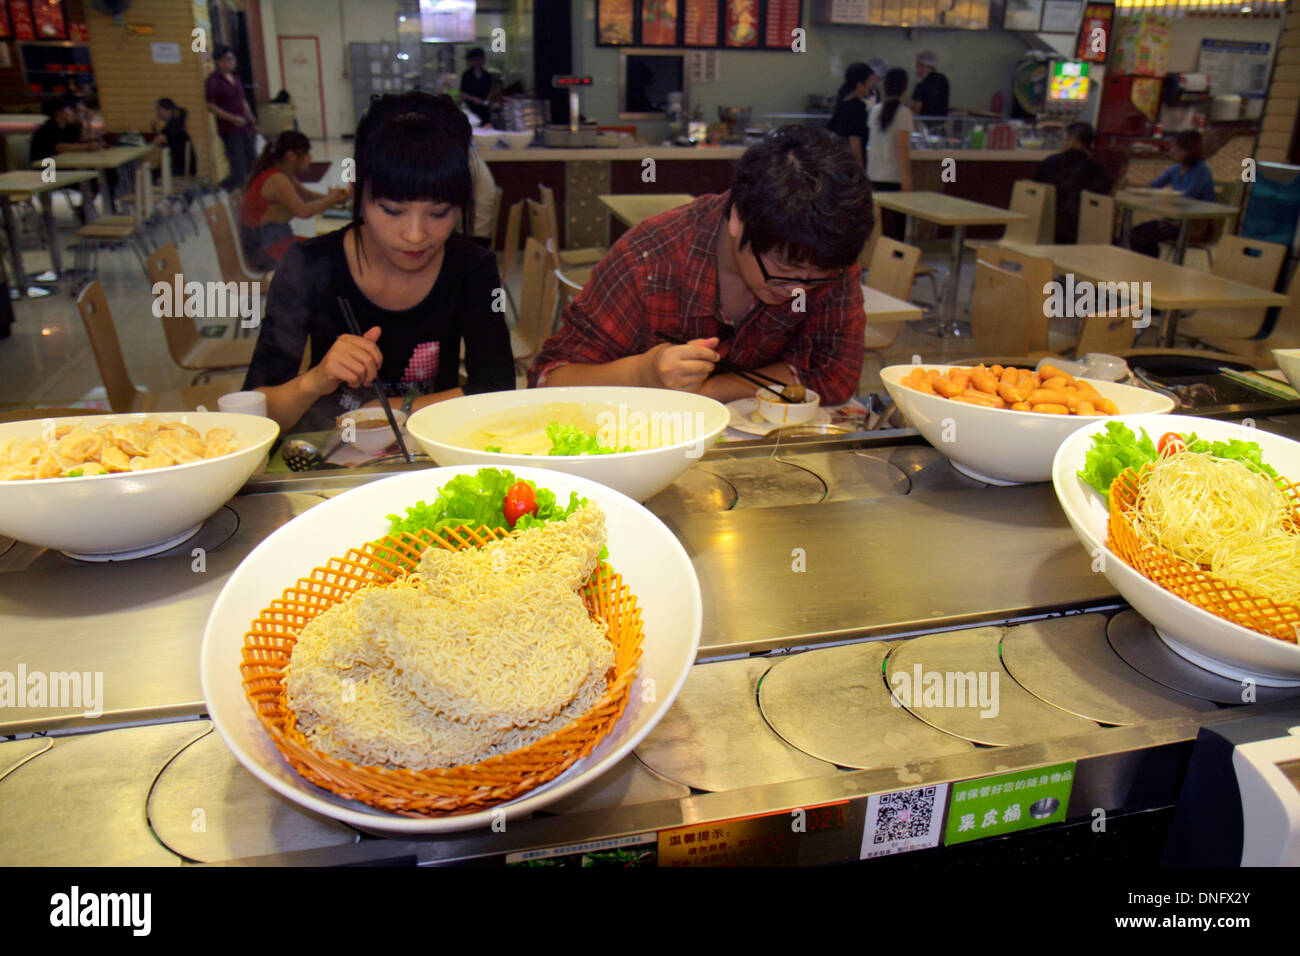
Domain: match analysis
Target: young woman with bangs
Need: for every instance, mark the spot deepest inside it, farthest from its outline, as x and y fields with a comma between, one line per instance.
x=418, y=288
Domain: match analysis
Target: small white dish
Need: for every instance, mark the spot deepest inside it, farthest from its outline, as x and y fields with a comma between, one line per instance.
x=742, y=409
x=772, y=407
x=367, y=429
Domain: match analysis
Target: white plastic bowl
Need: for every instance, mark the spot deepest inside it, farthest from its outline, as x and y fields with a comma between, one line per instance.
x=637, y=474
x=998, y=445
x=1288, y=360
x=785, y=413
x=488, y=138
x=99, y=517
x=1199, y=636
x=371, y=441
x=652, y=562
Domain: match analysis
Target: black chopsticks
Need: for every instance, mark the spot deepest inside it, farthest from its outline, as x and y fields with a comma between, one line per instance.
x=355, y=328
x=754, y=378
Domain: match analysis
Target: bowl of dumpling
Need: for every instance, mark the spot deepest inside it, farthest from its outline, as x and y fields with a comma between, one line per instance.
x=108, y=487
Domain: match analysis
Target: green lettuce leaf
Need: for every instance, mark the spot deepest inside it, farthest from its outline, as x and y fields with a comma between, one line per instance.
x=1114, y=450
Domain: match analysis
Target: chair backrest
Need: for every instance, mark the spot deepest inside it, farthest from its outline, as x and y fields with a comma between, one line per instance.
x=1037, y=201
x=869, y=247
x=497, y=191
x=1251, y=261
x=223, y=239
x=534, y=314
x=1037, y=272
x=98, y=320
x=892, y=266
x=1000, y=311
x=1104, y=332
x=164, y=265
x=1096, y=219
x=514, y=223
x=539, y=226
x=552, y=213
x=1286, y=332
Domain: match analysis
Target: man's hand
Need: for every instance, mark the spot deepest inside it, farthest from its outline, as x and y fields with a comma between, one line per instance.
x=353, y=360
x=683, y=367
x=238, y=121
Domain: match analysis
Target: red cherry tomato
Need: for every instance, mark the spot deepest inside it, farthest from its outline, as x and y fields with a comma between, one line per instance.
x=1171, y=443
x=521, y=500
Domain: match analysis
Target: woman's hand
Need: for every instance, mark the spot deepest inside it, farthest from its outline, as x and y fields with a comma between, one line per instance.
x=683, y=367
x=340, y=196
x=353, y=360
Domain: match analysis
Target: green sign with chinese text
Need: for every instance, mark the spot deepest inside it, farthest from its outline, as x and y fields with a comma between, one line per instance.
x=1005, y=803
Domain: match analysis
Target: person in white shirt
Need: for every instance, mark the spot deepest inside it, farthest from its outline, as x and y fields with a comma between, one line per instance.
x=485, y=188
x=889, y=158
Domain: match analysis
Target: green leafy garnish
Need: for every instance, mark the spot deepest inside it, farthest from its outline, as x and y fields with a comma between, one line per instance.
x=478, y=500
x=492, y=448
x=1247, y=452
x=75, y=473
x=571, y=440
x=1112, y=451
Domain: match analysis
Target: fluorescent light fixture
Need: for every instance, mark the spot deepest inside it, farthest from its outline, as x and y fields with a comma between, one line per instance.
x=447, y=21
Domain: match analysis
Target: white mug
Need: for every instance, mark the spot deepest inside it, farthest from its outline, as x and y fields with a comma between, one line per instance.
x=247, y=403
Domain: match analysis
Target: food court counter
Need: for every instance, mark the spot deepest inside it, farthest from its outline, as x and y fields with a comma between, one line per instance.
x=788, y=705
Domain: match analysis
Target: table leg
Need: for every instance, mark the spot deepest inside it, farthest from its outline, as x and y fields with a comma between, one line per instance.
x=51, y=234
x=1169, y=329
x=23, y=288
x=165, y=164
x=1180, y=246
x=110, y=199
x=1126, y=227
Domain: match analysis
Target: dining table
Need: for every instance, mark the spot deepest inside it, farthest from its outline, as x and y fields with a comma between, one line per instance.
x=101, y=161
x=884, y=309
x=20, y=186
x=631, y=209
x=954, y=212
x=1168, y=204
x=1173, y=288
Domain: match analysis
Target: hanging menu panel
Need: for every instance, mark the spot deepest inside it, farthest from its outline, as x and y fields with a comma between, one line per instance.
x=615, y=20
x=659, y=22
x=701, y=22
x=742, y=23
x=782, y=21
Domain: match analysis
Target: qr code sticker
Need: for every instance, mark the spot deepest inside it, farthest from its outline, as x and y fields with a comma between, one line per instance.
x=903, y=821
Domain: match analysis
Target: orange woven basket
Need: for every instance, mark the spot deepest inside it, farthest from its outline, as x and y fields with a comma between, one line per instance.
x=1189, y=581
x=445, y=791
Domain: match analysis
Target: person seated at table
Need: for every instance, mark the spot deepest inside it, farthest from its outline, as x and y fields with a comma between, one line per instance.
x=889, y=153
x=419, y=290
x=275, y=195
x=764, y=276
x=60, y=133
x=1072, y=171
x=169, y=130
x=86, y=132
x=849, y=121
x=1190, y=176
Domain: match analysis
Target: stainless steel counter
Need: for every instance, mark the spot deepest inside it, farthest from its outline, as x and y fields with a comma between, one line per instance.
x=790, y=704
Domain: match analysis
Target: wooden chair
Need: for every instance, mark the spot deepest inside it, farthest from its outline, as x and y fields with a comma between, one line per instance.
x=1104, y=332
x=1251, y=261
x=537, y=297
x=1227, y=193
x=1037, y=273
x=229, y=259
x=1285, y=333
x=1000, y=311
x=1096, y=219
x=510, y=252
x=123, y=396
x=188, y=349
x=1037, y=202
x=110, y=230
x=549, y=228
x=891, y=271
x=922, y=271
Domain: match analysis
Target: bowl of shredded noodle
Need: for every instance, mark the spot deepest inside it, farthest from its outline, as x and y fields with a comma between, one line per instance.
x=652, y=563
x=1215, y=515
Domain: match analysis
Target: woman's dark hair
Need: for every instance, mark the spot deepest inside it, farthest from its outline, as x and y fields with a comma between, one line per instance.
x=855, y=74
x=167, y=103
x=801, y=193
x=290, y=141
x=1191, y=143
x=895, y=86
x=413, y=147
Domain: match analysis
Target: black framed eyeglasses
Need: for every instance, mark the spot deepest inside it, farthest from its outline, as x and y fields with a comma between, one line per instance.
x=788, y=280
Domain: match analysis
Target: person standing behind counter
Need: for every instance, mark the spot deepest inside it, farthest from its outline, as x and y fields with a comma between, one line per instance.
x=889, y=155
x=764, y=275
x=930, y=97
x=1191, y=177
x=1071, y=171
x=418, y=289
x=850, y=117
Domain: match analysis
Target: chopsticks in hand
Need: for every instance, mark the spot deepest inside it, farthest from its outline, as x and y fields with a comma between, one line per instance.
x=355, y=328
x=774, y=385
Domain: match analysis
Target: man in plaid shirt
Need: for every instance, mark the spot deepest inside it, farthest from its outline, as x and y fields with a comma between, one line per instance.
x=764, y=275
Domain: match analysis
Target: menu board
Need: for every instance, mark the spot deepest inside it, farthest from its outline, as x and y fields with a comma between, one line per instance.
x=20, y=12
x=700, y=19
x=1235, y=66
x=5, y=30
x=1022, y=14
x=742, y=23
x=1094, y=33
x=659, y=22
x=614, y=22
x=1061, y=16
x=782, y=21
x=850, y=11
x=48, y=16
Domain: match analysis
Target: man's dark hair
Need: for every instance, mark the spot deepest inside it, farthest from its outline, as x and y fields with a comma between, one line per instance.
x=800, y=193
x=1082, y=132
x=475, y=54
x=1190, y=142
x=221, y=51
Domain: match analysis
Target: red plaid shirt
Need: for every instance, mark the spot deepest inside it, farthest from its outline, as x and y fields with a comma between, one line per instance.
x=662, y=276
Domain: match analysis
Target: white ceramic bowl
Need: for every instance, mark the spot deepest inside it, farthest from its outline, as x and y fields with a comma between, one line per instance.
x=784, y=413
x=1201, y=637
x=1288, y=360
x=998, y=445
x=649, y=557
x=488, y=138
x=371, y=441
x=638, y=474
x=100, y=517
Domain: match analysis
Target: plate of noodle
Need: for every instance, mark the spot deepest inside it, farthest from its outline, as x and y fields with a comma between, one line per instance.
x=1205, y=546
x=448, y=679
